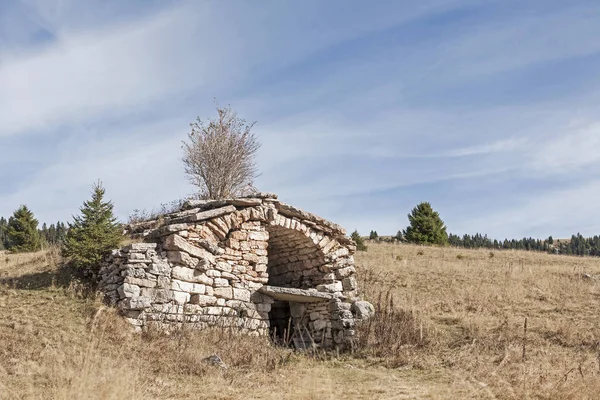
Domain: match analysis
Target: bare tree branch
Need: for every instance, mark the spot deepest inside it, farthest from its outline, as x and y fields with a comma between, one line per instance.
x=219, y=156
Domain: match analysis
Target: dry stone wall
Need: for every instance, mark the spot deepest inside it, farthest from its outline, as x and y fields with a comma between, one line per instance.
x=248, y=263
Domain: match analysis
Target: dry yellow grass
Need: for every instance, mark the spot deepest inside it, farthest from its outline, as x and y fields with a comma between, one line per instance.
x=473, y=305
x=57, y=343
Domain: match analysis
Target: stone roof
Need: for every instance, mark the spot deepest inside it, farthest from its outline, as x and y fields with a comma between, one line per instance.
x=194, y=211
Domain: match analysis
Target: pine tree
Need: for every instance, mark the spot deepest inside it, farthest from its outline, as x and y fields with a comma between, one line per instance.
x=22, y=233
x=426, y=226
x=92, y=234
x=399, y=236
x=360, y=244
x=61, y=232
x=373, y=235
x=3, y=234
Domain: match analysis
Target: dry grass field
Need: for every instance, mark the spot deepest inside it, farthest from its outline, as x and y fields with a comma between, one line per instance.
x=455, y=330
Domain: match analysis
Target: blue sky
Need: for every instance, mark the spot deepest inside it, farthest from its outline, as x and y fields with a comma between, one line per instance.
x=486, y=109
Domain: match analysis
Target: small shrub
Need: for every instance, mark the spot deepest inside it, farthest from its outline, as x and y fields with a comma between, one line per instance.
x=391, y=329
x=460, y=256
x=360, y=243
x=420, y=252
x=491, y=254
x=398, y=258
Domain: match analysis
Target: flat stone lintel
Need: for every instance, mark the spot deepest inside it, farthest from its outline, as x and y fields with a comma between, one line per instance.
x=293, y=294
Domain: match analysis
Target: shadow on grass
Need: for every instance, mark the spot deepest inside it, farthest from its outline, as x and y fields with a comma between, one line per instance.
x=63, y=277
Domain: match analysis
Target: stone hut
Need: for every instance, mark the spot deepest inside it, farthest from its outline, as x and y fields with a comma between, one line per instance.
x=254, y=263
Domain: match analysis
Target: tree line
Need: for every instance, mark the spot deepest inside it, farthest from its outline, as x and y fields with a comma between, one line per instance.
x=426, y=227
x=21, y=233
x=576, y=245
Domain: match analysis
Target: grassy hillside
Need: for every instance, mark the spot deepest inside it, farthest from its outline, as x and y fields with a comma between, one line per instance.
x=455, y=330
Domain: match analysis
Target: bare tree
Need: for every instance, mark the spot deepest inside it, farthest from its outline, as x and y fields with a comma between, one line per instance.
x=219, y=157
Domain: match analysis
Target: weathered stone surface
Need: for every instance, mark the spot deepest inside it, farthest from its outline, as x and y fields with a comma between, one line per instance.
x=203, y=300
x=241, y=294
x=262, y=195
x=363, y=309
x=136, y=303
x=176, y=242
x=183, y=258
x=223, y=292
x=169, y=229
x=181, y=297
x=293, y=294
x=349, y=283
x=238, y=262
x=128, y=290
x=206, y=215
x=331, y=287
x=248, y=202
x=140, y=247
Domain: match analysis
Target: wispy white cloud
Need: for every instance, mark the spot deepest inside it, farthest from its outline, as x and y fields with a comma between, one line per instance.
x=353, y=101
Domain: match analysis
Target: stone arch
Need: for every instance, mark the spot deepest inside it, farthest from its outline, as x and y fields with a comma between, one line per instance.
x=297, y=254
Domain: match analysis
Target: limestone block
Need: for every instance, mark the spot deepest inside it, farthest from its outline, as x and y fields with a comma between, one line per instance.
x=260, y=267
x=191, y=275
x=163, y=282
x=176, y=242
x=135, y=303
x=182, y=286
x=315, y=316
x=159, y=267
x=203, y=300
x=246, y=202
x=183, y=258
x=238, y=235
x=213, y=310
x=224, y=292
x=220, y=282
x=157, y=296
x=320, y=324
x=140, y=247
x=241, y=294
x=134, y=272
x=136, y=258
x=223, y=266
x=262, y=236
x=181, y=297
x=140, y=282
x=229, y=276
x=212, y=273
x=205, y=215
x=349, y=283
x=250, y=257
x=128, y=290
x=345, y=272
x=199, y=288
x=331, y=287
x=363, y=309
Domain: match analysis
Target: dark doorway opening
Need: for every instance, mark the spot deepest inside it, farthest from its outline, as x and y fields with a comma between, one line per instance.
x=281, y=324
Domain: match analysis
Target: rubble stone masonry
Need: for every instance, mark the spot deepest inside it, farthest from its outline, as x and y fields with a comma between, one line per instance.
x=255, y=264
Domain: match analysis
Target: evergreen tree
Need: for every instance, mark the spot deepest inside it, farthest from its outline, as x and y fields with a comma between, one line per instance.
x=3, y=234
x=426, y=226
x=360, y=244
x=92, y=234
x=61, y=232
x=399, y=236
x=22, y=233
x=373, y=235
